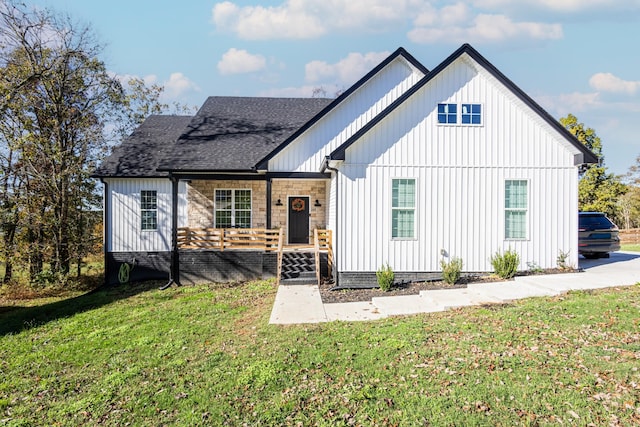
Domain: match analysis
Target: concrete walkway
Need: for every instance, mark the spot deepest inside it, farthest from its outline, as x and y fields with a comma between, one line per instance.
x=296, y=304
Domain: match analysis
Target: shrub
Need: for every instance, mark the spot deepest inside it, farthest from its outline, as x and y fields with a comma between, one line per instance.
x=561, y=260
x=451, y=270
x=534, y=267
x=505, y=265
x=385, y=277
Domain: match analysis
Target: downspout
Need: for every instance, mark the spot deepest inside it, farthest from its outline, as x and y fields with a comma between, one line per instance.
x=106, y=229
x=325, y=166
x=174, y=269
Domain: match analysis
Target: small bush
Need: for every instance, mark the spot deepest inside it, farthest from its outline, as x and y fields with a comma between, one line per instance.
x=451, y=270
x=562, y=260
x=385, y=277
x=505, y=265
x=534, y=267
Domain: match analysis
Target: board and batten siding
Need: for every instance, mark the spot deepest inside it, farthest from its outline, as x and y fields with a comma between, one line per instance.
x=307, y=153
x=124, y=215
x=460, y=172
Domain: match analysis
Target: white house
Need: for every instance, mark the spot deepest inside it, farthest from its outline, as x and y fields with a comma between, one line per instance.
x=405, y=167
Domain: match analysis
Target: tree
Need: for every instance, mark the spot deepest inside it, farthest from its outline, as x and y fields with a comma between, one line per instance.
x=597, y=190
x=56, y=98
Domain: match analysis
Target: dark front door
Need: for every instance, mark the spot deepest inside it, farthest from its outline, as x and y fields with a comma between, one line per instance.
x=299, y=220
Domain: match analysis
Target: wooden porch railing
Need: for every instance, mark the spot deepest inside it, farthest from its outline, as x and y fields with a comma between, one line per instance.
x=256, y=239
x=229, y=238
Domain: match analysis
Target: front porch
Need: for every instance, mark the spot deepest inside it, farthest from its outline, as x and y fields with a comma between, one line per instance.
x=250, y=248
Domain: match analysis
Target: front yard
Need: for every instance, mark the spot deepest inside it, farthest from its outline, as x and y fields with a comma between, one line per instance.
x=205, y=355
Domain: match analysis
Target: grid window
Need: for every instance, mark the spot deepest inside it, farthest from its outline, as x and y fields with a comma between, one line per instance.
x=233, y=209
x=149, y=209
x=471, y=114
x=447, y=113
x=515, y=205
x=403, y=208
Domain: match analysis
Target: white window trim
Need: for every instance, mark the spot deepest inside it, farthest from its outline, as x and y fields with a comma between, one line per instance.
x=415, y=209
x=233, y=205
x=525, y=210
x=146, y=230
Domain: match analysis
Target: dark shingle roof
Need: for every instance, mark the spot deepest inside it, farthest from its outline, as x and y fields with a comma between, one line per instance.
x=234, y=133
x=140, y=153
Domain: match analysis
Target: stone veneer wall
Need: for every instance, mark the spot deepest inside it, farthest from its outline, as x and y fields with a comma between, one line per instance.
x=315, y=189
x=200, y=196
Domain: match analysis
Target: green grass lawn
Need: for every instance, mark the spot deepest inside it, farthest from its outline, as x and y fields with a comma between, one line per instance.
x=631, y=247
x=205, y=355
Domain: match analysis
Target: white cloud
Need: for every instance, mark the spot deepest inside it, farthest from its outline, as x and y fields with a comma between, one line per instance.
x=484, y=28
x=178, y=85
x=566, y=103
x=303, y=19
x=346, y=71
x=565, y=6
x=239, y=61
x=607, y=82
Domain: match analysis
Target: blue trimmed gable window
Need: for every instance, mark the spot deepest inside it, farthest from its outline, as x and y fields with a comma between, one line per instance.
x=448, y=113
x=467, y=114
x=471, y=114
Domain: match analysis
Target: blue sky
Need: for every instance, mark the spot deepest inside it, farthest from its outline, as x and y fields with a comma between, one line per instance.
x=572, y=56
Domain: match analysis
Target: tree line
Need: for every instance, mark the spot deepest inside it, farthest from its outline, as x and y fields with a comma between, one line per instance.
x=602, y=191
x=60, y=112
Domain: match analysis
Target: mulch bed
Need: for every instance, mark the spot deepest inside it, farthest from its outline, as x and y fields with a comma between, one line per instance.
x=413, y=288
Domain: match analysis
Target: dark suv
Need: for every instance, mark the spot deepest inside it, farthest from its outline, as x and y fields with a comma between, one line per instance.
x=597, y=235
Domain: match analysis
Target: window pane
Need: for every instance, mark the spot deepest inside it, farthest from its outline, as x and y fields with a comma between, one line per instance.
x=403, y=193
x=223, y=219
x=471, y=114
x=243, y=219
x=515, y=194
x=516, y=224
x=447, y=113
x=148, y=199
x=149, y=220
x=402, y=223
x=243, y=199
x=223, y=199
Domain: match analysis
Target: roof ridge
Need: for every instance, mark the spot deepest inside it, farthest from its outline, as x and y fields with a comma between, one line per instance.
x=337, y=101
x=339, y=152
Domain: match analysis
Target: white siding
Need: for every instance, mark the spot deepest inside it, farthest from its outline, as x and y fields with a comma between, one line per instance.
x=460, y=172
x=124, y=219
x=307, y=152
